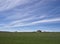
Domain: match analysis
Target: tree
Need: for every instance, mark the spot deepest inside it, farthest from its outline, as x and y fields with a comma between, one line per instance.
x=39, y=31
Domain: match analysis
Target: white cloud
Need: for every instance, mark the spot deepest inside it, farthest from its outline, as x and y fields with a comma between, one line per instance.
x=20, y=13
x=18, y=23
x=46, y=21
x=41, y=21
x=24, y=21
x=9, y=4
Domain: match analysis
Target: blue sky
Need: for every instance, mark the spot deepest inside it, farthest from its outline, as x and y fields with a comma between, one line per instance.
x=30, y=15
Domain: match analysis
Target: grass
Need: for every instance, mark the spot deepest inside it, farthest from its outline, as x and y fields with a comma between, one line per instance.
x=30, y=38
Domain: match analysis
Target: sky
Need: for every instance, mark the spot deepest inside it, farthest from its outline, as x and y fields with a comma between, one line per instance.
x=30, y=15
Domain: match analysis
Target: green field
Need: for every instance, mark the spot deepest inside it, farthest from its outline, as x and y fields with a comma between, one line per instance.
x=30, y=38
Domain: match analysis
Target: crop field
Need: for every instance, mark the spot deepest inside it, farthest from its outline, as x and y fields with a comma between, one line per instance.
x=29, y=38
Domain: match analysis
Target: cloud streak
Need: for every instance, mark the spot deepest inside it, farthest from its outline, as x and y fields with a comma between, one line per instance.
x=9, y=4
x=21, y=22
x=22, y=13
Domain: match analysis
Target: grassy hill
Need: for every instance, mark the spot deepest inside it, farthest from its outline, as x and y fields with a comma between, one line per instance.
x=29, y=38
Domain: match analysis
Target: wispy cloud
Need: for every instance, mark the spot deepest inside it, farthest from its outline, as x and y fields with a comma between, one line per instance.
x=19, y=17
x=22, y=23
x=19, y=13
x=25, y=20
x=9, y=4
x=46, y=21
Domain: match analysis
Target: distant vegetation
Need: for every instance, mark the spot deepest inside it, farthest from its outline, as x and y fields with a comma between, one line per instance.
x=39, y=31
x=4, y=31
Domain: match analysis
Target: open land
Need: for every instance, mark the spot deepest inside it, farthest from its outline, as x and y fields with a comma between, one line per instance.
x=29, y=38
